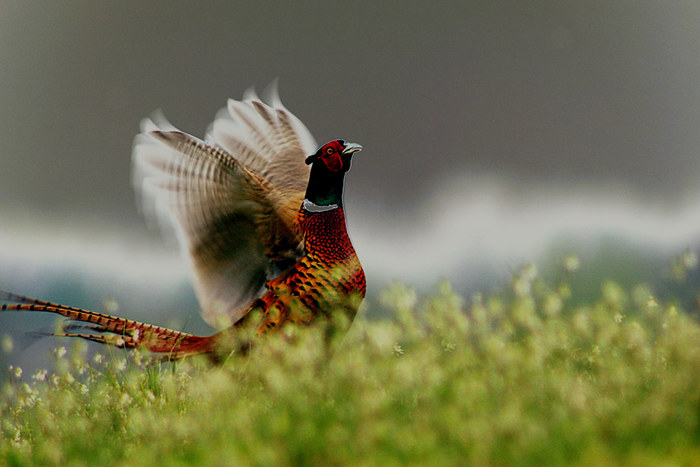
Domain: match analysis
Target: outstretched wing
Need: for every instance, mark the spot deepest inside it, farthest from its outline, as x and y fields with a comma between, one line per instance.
x=232, y=201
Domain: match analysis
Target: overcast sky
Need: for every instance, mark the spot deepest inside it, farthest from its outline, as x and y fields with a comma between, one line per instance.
x=488, y=127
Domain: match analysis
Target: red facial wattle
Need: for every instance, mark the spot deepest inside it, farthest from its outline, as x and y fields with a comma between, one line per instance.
x=330, y=155
x=333, y=161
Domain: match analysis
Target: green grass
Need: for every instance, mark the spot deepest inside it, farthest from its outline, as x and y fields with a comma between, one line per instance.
x=520, y=377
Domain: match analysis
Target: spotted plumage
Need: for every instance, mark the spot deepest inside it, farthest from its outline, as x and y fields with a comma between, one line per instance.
x=260, y=220
x=329, y=277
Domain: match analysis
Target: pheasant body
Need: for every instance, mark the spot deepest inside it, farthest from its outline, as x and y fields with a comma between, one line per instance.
x=328, y=277
x=244, y=205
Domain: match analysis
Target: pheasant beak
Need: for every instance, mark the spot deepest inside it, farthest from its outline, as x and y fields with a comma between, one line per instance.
x=351, y=148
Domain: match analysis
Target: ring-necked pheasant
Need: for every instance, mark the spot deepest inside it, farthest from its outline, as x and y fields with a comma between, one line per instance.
x=247, y=205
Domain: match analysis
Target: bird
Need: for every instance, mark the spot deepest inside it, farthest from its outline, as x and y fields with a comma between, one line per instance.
x=257, y=209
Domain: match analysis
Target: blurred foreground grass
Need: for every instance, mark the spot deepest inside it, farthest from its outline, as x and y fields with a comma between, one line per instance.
x=519, y=377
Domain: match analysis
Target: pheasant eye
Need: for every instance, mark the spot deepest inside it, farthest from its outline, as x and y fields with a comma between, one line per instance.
x=329, y=151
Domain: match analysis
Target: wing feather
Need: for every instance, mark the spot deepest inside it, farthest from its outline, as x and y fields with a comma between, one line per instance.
x=230, y=201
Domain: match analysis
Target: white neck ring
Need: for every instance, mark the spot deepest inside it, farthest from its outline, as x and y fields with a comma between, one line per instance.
x=313, y=207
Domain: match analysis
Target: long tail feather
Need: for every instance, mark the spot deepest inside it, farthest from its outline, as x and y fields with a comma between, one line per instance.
x=111, y=330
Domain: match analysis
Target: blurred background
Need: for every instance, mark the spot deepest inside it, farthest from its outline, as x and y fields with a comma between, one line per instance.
x=495, y=134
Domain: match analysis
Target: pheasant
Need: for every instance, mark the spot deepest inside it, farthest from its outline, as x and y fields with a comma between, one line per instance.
x=262, y=224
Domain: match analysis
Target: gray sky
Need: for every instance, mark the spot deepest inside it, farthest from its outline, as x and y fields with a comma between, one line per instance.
x=488, y=127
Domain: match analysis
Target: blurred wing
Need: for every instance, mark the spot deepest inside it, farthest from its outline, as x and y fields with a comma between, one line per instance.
x=232, y=201
x=268, y=139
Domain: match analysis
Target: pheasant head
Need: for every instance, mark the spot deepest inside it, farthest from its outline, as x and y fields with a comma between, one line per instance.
x=328, y=168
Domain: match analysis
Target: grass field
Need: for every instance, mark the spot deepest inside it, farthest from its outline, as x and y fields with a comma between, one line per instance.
x=522, y=377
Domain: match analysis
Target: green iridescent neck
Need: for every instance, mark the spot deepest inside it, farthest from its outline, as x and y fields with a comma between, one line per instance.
x=325, y=187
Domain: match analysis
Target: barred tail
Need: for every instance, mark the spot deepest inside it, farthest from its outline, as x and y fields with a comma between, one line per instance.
x=111, y=330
